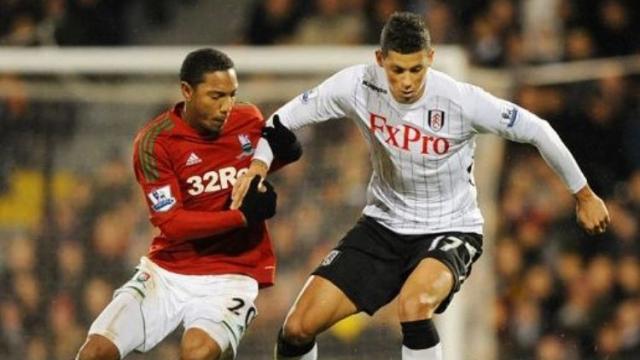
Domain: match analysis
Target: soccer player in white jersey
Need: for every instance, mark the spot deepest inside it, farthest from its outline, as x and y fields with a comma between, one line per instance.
x=421, y=229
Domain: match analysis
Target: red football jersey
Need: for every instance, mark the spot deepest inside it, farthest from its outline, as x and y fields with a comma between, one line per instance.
x=187, y=181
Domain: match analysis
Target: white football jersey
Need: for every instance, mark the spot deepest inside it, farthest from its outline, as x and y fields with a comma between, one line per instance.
x=422, y=153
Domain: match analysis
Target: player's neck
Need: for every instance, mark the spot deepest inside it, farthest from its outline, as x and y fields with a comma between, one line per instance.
x=188, y=117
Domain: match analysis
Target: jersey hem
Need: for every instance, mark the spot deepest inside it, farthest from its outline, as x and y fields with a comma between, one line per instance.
x=264, y=280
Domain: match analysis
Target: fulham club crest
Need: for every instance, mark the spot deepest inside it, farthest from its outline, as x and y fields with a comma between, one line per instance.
x=436, y=119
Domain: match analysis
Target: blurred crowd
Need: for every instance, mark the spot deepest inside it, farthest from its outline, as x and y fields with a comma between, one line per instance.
x=496, y=32
x=560, y=293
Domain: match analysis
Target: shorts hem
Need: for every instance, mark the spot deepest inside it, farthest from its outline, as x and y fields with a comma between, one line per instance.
x=112, y=338
x=223, y=343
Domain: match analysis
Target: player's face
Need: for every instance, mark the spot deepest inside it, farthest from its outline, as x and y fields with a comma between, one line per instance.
x=406, y=73
x=209, y=103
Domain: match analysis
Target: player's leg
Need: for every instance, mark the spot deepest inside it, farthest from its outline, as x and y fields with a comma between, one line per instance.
x=319, y=305
x=363, y=273
x=196, y=344
x=217, y=316
x=117, y=331
x=98, y=347
x=430, y=287
x=427, y=286
x=141, y=314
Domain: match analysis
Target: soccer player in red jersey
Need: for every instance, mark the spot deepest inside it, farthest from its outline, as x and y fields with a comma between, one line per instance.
x=205, y=268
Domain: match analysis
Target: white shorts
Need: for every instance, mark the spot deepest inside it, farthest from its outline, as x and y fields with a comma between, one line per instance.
x=155, y=301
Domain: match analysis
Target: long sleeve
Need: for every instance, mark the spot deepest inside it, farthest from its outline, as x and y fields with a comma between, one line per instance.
x=329, y=100
x=186, y=225
x=165, y=202
x=490, y=114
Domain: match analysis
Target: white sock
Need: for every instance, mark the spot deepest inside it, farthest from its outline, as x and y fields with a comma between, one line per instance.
x=311, y=355
x=432, y=353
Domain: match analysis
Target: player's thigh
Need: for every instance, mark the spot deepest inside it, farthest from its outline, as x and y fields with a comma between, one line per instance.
x=443, y=263
x=319, y=305
x=366, y=270
x=142, y=313
x=120, y=323
x=425, y=288
x=222, y=308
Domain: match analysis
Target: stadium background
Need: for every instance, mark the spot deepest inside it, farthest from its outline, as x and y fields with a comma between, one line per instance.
x=73, y=224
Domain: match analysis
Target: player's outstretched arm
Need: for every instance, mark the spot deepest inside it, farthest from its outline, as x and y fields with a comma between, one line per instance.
x=591, y=212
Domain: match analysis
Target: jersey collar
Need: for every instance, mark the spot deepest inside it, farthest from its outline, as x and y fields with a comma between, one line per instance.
x=182, y=127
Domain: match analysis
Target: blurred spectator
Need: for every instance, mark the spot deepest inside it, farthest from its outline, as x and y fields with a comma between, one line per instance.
x=579, y=45
x=441, y=23
x=19, y=21
x=93, y=22
x=272, y=22
x=543, y=30
x=66, y=332
x=15, y=120
x=490, y=30
x=331, y=22
x=615, y=34
x=377, y=13
x=551, y=347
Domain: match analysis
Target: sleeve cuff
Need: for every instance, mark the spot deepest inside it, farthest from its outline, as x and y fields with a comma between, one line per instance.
x=236, y=217
x=578, y=185
x=263, y=152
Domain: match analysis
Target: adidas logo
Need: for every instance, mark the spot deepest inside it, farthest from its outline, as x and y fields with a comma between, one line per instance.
x=193, y=159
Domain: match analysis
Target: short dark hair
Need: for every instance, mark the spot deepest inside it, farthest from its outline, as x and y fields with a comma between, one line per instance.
x=405, y=33
x=201, y=61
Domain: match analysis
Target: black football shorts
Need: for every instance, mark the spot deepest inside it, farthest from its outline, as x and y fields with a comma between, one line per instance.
x=371, y=263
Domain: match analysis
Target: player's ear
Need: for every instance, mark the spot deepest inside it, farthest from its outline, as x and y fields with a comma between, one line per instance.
x=379, y=57
x=187, y=90
x=430, y=53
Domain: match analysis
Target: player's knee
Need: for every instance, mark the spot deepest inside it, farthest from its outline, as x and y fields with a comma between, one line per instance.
x=297, y=332
x=199, y=352
x=98, y=348
x=418, y=305
x=198, y=346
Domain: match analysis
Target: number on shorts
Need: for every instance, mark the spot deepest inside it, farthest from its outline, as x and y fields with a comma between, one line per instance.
x=448, y=243
x=234, y=309
x=452, y=242
x=250, y=314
